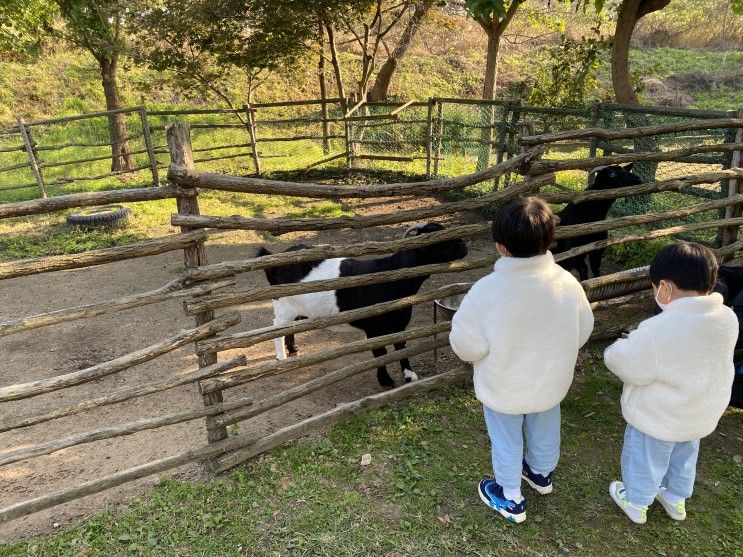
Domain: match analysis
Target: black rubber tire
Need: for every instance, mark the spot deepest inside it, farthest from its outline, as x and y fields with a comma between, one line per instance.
x=99, y=216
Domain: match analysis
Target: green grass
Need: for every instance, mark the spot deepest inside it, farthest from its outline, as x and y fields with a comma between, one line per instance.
x=418, y=495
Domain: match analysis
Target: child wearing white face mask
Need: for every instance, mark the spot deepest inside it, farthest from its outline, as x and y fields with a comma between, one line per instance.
x=677, y=369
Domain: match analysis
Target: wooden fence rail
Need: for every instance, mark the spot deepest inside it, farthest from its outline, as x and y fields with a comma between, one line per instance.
x=245, y=440
x=144, y=248
x=32, y=388
x=120, y=395
x=177, y=288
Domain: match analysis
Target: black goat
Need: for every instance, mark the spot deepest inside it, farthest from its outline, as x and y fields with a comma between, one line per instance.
x=604, y=178
x=330, y=302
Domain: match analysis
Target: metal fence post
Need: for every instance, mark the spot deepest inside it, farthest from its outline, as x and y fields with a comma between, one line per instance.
x=148, y=145
x=31, y=152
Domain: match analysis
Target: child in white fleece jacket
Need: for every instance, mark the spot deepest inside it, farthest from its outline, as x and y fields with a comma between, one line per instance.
x=522, y=326
x=677, y=369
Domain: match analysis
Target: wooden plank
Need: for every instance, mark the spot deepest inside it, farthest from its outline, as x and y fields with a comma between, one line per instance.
x=250, y=338
x=633, y=133
x=33, y=388
x=49, y=447
x=402, y=107
x=24, y=267
x=80, y=117
x=175, y=289
x=318, y=253
x=284, y=435
x=247, y=295
x=331, y=378
x=28, y=144
x=121, y=395
x=648, y=236
x=642, y=189
x=194, y=179
x=270, y=369
x=88, y=199
x=429, y=137
x=340, y=412
x=397, y=158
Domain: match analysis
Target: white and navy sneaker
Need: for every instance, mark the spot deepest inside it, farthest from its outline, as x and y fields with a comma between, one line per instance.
x=636, y=513
x=676, y=510
x=542, y=484
x=492, y=495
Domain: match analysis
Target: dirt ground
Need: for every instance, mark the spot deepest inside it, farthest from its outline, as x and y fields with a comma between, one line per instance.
x=68, y=347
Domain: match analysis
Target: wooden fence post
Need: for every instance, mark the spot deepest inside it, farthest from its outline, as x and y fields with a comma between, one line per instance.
x=31, y=152
x=148, y=145
x=179, y=145
x=730, y=234
x=429, y=137
x=249, y=114
x=595, y=113
x=439, y=137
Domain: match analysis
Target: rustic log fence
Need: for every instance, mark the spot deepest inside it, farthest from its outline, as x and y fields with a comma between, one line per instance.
x=205, y=288
x=436, y=137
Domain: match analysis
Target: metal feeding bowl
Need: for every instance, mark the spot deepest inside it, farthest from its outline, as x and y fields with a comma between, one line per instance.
x=447, y=306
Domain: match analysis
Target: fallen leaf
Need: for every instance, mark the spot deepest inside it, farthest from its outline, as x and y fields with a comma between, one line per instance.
x=738, y=459
x=365, y=459
x=286, y=483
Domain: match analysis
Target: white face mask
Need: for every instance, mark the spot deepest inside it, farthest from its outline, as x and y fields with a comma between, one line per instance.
x=661, y=305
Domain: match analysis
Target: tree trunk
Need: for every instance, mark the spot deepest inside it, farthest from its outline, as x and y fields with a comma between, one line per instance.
x=488, y=93
x=323, y=89
x=121, y=157
x=630, y=13
x=334, y=60
x=381, y=86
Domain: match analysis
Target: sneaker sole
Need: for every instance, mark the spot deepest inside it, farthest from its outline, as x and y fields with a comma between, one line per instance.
x=670, y=511
x=619, y=504
x=536, y=487
x=515, y=518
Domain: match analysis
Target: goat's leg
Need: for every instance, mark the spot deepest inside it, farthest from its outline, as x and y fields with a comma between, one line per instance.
x=581, y=267
x=594, y=259
x=282, y=315
x=405, y=366
x=289, y=342
x=382, y=376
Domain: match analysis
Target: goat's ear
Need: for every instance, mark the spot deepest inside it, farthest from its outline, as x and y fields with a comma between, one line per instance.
x=629, y=167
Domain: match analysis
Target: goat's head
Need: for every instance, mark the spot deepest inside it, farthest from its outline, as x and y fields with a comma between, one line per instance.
x=614, y=176
x=440, y=252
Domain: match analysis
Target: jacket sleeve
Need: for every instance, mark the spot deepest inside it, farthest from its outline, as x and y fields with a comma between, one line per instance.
x=633, y=359
x=585, y=317
x=466, y=337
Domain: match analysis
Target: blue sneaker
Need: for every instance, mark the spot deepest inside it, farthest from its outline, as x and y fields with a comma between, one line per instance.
x=492, y=495
x=542, y=484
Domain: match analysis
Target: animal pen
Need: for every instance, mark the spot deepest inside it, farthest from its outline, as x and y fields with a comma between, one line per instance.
x=209, y=293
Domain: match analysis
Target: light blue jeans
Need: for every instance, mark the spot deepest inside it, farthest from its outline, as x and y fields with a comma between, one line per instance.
x=507, y=433
x=649, y=463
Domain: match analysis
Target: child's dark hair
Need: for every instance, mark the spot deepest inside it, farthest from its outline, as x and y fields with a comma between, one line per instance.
x=689, y=266
x=526, y=227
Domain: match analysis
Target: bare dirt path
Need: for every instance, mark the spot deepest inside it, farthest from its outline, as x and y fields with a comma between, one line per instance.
x=67, y=347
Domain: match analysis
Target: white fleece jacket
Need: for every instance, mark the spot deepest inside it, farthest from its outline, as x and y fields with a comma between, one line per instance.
x=522, y=326
x=677, y=369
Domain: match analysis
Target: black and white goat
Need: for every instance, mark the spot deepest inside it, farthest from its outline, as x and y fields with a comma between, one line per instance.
x=330, y=302
x=603, y=178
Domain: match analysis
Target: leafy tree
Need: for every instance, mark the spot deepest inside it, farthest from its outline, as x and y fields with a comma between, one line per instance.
x=569, y=78
x=98, y=27
x=23, y=25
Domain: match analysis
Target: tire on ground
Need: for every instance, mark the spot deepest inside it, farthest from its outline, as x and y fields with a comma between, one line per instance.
x=99, y=216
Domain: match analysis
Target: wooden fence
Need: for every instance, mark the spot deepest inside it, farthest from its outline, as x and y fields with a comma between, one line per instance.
x=436, y=137
x=203, y=289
